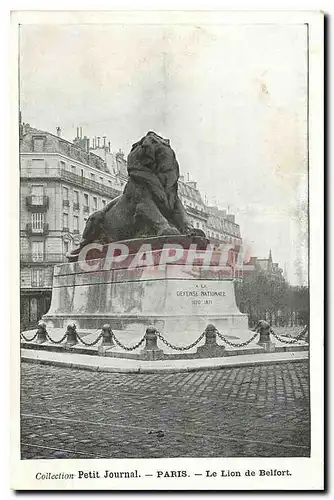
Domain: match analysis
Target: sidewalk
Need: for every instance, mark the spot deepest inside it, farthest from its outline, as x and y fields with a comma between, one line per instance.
x=122, y=365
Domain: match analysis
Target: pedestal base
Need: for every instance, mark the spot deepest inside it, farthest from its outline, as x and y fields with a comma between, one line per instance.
x=170, y=297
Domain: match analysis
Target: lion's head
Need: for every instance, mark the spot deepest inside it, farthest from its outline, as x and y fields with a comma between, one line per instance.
x=154, y=152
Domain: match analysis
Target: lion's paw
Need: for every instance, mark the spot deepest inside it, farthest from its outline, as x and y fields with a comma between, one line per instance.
x=192, y=231
x=168, y=231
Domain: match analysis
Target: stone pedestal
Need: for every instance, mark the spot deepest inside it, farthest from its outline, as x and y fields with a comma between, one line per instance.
x=267, y=346
x=183, y=296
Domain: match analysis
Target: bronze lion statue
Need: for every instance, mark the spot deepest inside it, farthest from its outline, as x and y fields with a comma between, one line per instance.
x=149, y=205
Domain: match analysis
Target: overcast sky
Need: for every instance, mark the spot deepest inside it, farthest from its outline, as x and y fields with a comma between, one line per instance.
x=232, y=100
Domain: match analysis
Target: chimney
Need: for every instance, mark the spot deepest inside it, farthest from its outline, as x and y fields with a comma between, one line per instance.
x=80, y=132
x=104, y=141
x=87, y=144
x=109, y=146
x=98, y=141
x=59, y=131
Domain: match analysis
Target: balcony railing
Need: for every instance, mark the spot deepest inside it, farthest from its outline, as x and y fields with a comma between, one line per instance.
x=70, y=177
x=86, y=208
x=42, y=229
x=37, y=202
x=76, y=231
x=76, y=206
x=97, y=187
x=66, y=203
x=44, y=257
x=196, y=212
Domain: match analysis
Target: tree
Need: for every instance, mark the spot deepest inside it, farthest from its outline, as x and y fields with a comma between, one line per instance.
x=264, y=295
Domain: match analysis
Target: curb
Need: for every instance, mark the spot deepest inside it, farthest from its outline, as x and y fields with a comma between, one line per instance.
x=165, y=369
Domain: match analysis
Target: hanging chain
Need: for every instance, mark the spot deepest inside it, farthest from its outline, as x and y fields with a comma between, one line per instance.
x=29, y=340
x=180, y=348
x=131, y=348
x=89, y=343
x=56, y=341
x=234, y=344
x=292, y=341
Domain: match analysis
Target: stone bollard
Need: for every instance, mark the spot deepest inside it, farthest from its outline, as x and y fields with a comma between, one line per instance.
x=151, y=350
x=264, y=329
x=41, y=333
x=107, y=340
x=210, y=349
x=72, y=338
x=210, y=336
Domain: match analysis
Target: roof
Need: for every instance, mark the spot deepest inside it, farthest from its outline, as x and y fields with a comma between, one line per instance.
x=55, y=144
x=190, y=192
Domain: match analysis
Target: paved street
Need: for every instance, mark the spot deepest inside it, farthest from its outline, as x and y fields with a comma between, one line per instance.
x=234, y=412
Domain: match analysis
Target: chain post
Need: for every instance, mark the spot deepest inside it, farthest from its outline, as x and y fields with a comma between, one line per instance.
x=71, y=335
x=264, y=329
x=107, y=340
x=151, y=350
x=41, y=333
x=210, y=348
x=107, y=336
x=210, y=336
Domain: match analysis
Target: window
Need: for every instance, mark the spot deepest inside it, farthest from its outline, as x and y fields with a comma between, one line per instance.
x=101, y=180
x=37, y=277
x=33, y=309
x=94, y=202
x=37, y=195
x=66, y=247
x=76, y=223
x=73, y=169
x=38, y=165
x=109, y=182
x=38, y=144
x=103, y=203
x=37, y=222
x=37, y=250
x=63, y=165
x=76, y=196
x=86, y=199
x=65, y=193
x=92, y=176
x=82, y=173
x=65, y=221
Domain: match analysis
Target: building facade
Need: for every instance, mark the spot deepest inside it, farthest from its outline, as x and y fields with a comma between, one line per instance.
x=61, y=184
x=268, y=266
x=219, y=226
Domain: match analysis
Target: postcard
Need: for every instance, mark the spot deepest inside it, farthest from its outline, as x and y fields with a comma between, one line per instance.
x=167, y=328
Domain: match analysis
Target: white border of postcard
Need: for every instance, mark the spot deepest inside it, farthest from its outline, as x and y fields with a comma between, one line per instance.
x=307, y=473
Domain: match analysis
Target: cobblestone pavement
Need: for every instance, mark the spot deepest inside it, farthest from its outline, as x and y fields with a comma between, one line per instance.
x=250, y=411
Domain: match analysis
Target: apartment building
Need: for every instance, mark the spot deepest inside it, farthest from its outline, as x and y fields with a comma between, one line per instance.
x=61, y=183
